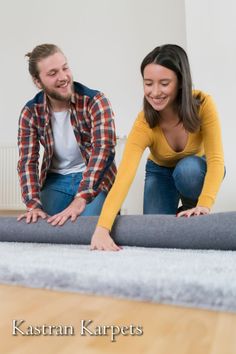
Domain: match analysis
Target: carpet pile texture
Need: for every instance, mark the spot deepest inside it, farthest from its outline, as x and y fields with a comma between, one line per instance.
x=192, y=278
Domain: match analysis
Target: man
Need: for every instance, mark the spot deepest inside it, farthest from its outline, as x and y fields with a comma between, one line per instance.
x=75, y=126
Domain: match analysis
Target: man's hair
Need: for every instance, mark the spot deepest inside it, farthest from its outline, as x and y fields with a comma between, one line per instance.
x=38, y=53
x=174, y=57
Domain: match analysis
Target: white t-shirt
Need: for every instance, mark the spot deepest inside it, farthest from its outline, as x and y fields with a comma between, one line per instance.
x=67, y=156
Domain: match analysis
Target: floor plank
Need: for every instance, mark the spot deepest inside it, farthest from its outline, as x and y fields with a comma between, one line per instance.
x=166, y=329
x=11, y=212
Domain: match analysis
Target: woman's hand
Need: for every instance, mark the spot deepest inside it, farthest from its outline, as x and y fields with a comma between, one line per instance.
x=198, y=210
x=102, y=241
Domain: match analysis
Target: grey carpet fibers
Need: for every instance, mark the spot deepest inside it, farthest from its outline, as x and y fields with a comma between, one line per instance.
x=193, y=278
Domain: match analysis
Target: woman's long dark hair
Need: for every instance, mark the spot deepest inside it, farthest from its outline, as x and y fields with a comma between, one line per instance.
x=174, y=58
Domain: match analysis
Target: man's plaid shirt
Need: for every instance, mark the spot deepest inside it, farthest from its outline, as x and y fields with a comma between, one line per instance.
x=92, y=120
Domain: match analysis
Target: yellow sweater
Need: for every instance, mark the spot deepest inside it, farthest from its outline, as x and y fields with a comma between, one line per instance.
x=205, y=142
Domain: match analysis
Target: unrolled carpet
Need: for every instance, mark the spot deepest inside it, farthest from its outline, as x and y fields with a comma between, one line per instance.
x=193, y=278
x=214, y=231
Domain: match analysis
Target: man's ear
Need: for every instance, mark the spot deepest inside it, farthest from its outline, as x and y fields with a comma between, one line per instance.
x=37, y=83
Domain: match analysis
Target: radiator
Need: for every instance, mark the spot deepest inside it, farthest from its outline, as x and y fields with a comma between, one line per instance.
x=10, y=194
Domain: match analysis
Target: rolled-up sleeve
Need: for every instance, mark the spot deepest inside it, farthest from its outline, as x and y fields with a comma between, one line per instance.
x=103, y=141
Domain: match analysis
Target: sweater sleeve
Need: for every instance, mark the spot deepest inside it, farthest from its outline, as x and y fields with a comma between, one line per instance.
x=138, y=139
x=211, y=134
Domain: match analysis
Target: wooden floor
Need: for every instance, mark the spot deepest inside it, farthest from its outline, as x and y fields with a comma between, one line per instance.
x=166, y=329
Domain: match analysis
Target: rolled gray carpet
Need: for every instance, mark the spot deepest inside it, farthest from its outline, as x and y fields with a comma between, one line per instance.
x=214, y=231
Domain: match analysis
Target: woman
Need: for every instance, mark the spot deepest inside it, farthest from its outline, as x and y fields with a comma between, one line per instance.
x=181, y=129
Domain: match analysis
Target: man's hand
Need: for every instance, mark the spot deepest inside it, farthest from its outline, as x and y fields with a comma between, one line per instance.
x=199, y=210
x=33, y=215
x=72, y=211
x=102, y=241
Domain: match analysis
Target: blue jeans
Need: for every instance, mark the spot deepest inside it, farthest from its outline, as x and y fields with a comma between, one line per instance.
x=59, y=191
x=165, y=186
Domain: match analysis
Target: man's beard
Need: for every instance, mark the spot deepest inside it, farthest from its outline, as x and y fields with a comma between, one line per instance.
x=57, y=96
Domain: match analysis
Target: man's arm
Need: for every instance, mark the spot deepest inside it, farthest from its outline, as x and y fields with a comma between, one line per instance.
x=103, y=140
x=28, y=162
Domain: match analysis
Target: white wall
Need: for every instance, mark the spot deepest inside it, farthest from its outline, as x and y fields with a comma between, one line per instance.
x=104, y=41
x=211, y=46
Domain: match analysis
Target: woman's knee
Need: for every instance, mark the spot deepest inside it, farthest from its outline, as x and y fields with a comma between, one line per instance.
x=189, y=175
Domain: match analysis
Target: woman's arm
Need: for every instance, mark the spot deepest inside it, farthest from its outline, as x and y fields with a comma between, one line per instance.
x=139, y=138
x=212, y=140
x=213, y=147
